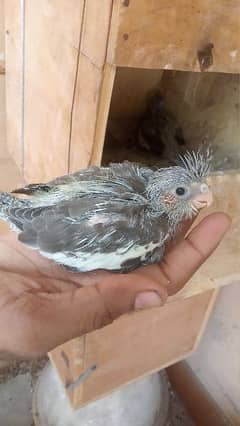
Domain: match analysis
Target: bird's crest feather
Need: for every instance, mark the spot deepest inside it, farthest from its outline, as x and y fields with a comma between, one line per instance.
x=197, y=163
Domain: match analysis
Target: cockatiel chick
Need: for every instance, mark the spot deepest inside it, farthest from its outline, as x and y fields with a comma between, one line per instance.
x=113, y=218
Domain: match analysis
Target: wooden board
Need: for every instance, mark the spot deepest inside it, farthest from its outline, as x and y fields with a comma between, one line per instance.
x=13, y=80
x=50, y=73
x=54, y=84
x=91, y=80
x=169, y=35
x=2, y=38
x=3, y=148
x=103, y=114
x=131, y=347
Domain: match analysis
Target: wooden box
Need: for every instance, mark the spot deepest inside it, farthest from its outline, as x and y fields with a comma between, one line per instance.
x=71, y=67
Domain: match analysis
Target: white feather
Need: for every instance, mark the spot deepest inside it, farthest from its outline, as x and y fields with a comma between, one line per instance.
x=111, y=261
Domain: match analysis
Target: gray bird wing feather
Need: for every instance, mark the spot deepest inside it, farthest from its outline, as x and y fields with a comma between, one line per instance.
x=86, y=180
x=78, y=226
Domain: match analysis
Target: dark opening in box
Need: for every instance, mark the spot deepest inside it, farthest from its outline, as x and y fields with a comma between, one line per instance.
x=204, y=106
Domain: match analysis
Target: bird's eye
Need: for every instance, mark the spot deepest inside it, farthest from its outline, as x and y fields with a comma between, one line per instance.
x=180, y=191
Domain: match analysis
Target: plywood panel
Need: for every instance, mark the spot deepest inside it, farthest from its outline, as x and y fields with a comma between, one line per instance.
x=169, y=35
x=84, y=114
x=90, y=80
x=103, y=113
x=3, y=144
x=13, y=80
x=131, y=347
x=2, y=39
x=50, y=72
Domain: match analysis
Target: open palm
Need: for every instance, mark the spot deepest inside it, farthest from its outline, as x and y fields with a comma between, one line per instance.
x=43, y=305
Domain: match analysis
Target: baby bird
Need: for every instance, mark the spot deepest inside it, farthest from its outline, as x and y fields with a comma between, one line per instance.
x=113, y=218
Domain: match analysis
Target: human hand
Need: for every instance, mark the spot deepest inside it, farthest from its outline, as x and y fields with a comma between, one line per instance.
x=42, y=305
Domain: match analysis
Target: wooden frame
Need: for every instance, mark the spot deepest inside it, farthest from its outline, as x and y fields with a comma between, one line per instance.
x=59, y=91
x=177, y=35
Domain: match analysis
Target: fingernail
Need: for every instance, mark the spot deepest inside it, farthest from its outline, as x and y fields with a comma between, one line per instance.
x=147, y=299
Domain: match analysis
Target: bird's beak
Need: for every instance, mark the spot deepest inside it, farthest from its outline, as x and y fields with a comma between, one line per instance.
x=202, y=199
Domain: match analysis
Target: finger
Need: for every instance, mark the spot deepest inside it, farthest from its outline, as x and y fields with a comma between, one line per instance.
x=182, y=262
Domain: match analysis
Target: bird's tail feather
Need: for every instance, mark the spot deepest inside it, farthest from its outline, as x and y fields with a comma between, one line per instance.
x=9, y=200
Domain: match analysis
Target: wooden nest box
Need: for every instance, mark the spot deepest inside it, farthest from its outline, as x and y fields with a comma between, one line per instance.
x=73, y=67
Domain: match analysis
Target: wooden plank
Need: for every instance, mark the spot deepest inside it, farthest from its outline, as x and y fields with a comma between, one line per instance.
x=50, y=72
x=133, y=346
x=96, y=26
x=13, y=80
x=2, y=67
x=84, y=114
x=169, y=35
x=3, y=144
x=90, y=80
x=2, y=38
x=103, y=111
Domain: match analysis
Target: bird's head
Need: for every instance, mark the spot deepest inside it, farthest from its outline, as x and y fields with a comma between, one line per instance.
x=181, y=191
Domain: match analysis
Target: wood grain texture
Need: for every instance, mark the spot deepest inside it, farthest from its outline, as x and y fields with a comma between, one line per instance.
x=103, y=113
x=131, y=347
x=13, y=80
x=2, y=38
x=3, y=145
x=50, y=72
x=90, y=80
x=168, y=35
x=2, y=67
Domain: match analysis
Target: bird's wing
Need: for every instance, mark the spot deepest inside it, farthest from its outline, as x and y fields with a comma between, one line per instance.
x=94, y=179
x=88, y=226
